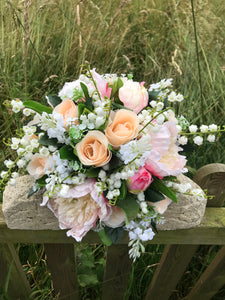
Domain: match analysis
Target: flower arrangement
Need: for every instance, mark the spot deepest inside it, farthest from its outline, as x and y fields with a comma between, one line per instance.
x=106, y=152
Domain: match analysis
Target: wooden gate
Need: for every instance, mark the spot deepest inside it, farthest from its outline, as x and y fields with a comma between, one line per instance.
x=181, y=246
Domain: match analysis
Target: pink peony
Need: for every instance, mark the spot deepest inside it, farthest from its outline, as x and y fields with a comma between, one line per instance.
x=134, y=95
x=102, y=85
x=79, y=209
x=140, y=181
x=164, y=159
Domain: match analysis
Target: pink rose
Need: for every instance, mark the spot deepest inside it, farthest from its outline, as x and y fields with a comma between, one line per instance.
x=140, y=181
x=134, y=95
x=102, y=85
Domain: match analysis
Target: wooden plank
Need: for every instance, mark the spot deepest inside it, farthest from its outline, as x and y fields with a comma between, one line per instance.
x=210, y=232
x=117, y=272
x=211, y=280
x=173, y=263
x=12, y=278
x=61, y=262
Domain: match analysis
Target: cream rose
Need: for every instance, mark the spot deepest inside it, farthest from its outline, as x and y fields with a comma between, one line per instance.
x=93, y=149
x=123, y=128
x=117, y=218
x=68, y=110
x=134, y=95
x=38, y=165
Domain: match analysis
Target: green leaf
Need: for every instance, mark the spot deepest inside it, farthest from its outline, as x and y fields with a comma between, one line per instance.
x=119, y=83
x=115, y=162
x=104, y=237
x=111, y=149
x=129, y=206
x=154, y=225
x=88, y=278
x=46, y=141
x=34, y=189
x=153, y=195
x=115, y=234
x=92, y=172
x=38, y=107
x=41, y=181
x=119, y=106
x=54, y=100
x=83, y=109
x=159, y=186
x=75, y=134
x=153, y=95
x=123, y=190
x=88, y=99
x=66, y=152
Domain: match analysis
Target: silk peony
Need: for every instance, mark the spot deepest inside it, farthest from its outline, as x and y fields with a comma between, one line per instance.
x=164, y=159
x=134, y=95
x=140, y=181
x=93, y=149
x=122, y=128
x=80, y=209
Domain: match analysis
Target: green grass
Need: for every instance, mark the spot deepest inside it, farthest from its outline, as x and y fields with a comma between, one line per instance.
x=45, y=44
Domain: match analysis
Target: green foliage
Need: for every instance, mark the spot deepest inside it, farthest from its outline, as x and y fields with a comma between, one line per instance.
x=115, y=234
x=67, y=152
x=130, y=206
x=153, y=195
x=46, y=141
x=54, y=100
x=159, y=186
x=38, y=107
x=104, y=237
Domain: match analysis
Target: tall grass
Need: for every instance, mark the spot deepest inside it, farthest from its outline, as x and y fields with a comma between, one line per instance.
x=44, y=43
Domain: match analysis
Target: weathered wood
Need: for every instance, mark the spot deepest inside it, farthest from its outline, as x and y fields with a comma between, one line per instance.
x=211, y=280
x=117, y=272
x=212, y=178
x=12, y=274
x=61, y=262
x=211, y=231
x=173, y=263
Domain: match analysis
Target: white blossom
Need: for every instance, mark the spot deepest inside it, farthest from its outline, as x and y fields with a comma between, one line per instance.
x=198, y=140
x=211, y=138
x=193, y=128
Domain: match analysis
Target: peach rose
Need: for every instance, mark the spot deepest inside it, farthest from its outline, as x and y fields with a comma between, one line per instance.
x=93, y=149
x=38, y=165
x=117, y=218
x=161, y=206
x=134, y=95
x=123, y=128
x=68, y=110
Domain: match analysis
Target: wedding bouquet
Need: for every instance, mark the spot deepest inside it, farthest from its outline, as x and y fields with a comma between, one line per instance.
x=105, y=151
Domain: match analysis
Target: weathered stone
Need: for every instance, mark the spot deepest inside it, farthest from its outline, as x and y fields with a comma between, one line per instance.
x=187, y=212
x=22, y=212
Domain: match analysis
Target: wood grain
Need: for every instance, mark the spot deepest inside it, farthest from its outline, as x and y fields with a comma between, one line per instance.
x=61, y=262
x=10, y=266
x=117, y=272
x=172, y=265
x=211, y=280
